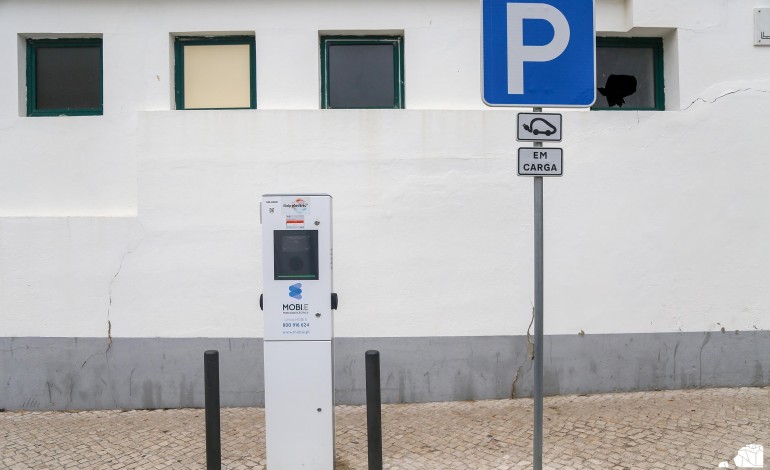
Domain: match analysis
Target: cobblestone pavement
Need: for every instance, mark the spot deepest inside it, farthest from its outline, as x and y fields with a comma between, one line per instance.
x=695, y=429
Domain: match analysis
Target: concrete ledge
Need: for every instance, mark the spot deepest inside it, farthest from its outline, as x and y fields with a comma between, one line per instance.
x=132, y=373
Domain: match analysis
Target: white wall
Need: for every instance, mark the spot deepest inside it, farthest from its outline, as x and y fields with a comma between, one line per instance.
x=146, y=219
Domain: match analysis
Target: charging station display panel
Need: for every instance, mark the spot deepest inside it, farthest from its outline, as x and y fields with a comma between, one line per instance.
x=295, y=254
x=297, y=267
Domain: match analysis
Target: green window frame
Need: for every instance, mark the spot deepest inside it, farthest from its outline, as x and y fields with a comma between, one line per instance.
x=655, y=45
x=397, y=44
x=33, y=48
x=180, y=42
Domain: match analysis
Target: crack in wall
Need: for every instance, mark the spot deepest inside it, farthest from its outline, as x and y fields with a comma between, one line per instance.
x=74, y=378
x=88, y=359
x=740, y=90
x=130, y=251
x=530, y=344
x=109, y=320
x=109, y=307
x=530, y=354
x=515, y=379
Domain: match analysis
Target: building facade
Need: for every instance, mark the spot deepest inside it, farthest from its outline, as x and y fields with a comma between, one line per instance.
x=129, y=208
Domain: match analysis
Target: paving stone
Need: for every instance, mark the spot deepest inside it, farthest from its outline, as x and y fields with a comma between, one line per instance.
x=692, y=429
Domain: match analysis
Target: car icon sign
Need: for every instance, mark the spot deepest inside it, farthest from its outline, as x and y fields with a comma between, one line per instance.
x=539, y=126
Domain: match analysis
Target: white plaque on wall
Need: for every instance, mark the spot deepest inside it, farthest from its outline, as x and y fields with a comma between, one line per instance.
x=762, y=26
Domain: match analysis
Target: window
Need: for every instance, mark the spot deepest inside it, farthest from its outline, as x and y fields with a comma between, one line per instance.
x=64, y=77
x=629, y=74
x=362, y=72
x=215, y=72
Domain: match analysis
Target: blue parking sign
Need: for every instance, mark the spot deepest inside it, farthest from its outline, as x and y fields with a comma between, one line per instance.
x=538, y=53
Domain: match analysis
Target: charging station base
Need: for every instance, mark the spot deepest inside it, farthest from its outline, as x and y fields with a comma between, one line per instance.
x=299, y=405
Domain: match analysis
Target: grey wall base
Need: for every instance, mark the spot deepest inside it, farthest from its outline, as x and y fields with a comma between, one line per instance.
x=131, y=373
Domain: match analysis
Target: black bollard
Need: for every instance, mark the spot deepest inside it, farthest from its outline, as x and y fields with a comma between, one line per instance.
x=373, y=410
x=213, y=441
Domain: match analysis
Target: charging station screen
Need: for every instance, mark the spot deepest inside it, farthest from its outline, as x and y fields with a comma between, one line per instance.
x=296, y=254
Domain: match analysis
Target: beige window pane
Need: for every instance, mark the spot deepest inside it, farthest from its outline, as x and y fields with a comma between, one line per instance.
x=217, y=76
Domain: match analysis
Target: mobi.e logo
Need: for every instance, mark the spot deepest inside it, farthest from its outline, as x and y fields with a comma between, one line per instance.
x=299, y=205
x=295, y=291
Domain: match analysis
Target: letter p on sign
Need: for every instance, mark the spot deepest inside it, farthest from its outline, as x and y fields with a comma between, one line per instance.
x=538, y=53
x=518, y=53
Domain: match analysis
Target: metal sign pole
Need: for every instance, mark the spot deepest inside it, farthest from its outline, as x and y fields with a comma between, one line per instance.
x=504, y=83
x=538, y=394
x=537, y=458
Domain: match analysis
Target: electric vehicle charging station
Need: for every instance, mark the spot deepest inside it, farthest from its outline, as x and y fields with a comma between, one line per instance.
x=297, y=304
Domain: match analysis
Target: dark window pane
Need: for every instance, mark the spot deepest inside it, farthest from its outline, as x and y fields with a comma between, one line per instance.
x=361, y=76
x=625, y=77
x=68, y=78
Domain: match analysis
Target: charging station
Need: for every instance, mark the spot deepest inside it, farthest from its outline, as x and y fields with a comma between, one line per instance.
x=297, y=304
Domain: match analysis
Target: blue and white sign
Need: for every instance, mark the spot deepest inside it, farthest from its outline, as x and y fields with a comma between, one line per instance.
x=538, y=53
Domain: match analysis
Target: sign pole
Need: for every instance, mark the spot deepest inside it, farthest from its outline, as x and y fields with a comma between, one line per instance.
x=513, y=59
x=537, y=458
